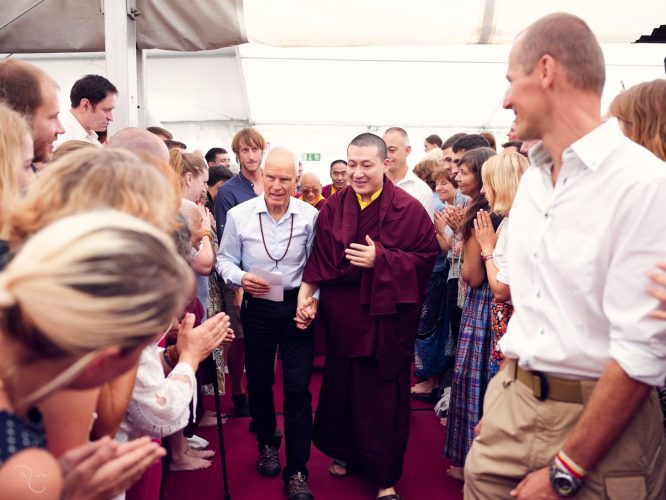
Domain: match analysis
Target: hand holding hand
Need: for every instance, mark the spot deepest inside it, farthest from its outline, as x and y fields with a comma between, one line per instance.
x=484, y=232
x=306, y=312
x=105, y=468
x=253, y=284
x=362, y=255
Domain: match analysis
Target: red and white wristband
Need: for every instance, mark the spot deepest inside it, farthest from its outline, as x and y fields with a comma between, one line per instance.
x=567, y=464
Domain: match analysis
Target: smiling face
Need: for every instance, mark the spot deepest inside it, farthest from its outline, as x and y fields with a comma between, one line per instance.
x=279, y=177
x=339, y=176
x=366, y=170
x=525, y=97
x=467, y=181
x=398, y=150
x=310, y=188
x=445, y=190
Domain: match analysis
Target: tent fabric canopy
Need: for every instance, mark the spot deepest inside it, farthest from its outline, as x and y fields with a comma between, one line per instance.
x=78, y=25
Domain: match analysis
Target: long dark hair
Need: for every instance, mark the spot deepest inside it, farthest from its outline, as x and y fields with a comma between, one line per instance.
x=474, y=160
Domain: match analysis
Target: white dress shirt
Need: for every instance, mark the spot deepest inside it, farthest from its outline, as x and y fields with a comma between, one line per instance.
x=242, y=249
x=419, y=190
x=579, y=254
x=74, y=131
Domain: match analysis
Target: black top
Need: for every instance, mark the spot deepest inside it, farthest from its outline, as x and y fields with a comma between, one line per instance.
x=18, y=433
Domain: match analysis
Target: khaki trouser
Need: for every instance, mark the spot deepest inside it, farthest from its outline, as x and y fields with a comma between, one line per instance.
x=521, y=434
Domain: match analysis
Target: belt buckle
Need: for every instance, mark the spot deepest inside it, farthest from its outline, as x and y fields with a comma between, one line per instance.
x=539, y=385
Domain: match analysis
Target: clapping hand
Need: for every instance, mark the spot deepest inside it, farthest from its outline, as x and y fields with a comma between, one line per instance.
x=105, y=468
x=484, y=232
x=453, y=217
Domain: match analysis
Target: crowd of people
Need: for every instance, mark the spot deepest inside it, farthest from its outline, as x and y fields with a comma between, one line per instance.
x=524, y=292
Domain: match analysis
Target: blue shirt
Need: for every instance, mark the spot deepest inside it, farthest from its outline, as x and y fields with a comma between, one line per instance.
x=233, y=192
x=242, y=246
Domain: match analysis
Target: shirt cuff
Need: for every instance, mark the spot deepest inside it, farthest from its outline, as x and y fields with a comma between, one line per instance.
x=236, y=278
x=639, y=362
x=316, y=294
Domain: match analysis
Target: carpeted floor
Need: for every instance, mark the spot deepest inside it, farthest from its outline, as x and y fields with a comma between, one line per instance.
x=424, y=475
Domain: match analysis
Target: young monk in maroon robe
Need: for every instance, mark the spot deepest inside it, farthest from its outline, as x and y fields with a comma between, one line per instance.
x=373, y=254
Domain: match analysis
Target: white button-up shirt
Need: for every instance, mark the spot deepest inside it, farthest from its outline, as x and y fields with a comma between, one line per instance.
x=74, y=131
x=419, y=190
x=242, y=248
x=579, y=254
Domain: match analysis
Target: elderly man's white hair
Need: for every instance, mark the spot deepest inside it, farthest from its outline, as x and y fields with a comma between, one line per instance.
x=190, y=211
x=281, y=150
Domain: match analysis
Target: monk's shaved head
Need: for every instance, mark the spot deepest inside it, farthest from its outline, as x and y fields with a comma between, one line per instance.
x=138, y=139
x=310, y=178
x=367, y=139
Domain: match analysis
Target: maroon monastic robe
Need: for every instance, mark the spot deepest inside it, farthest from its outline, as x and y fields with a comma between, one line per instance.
x=371, y=318
x=326, y=191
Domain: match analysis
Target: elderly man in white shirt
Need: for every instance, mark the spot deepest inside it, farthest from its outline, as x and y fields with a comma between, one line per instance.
x=575, y=412
x=274, y=234
x=93, y=100
x=397, y=144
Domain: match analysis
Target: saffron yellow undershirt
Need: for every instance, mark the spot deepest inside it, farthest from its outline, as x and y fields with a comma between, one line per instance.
x=317, y=200
x=364, y=204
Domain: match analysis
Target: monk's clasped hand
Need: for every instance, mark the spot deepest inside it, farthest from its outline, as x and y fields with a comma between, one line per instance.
x=362, y=255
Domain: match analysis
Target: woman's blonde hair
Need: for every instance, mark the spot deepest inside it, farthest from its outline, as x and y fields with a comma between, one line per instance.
x=87, y=282
x=186, y=163
x=13, y=130
x=68, y=147
x=501, y=175
x=643, y=108
x=93, y=179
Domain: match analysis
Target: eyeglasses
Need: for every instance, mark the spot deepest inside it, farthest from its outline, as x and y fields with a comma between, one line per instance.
x=309, y=191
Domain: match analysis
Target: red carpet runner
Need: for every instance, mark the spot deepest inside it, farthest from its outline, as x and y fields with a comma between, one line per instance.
x=424, y=474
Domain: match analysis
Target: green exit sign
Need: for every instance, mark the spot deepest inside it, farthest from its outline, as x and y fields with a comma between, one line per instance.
x=311, y=157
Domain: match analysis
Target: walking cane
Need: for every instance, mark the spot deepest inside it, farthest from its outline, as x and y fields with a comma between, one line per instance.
x=220, y=432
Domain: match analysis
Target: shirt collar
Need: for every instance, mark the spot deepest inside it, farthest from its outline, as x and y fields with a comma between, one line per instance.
x=244, y=179
x=374, y=196
x=591, y=149
x=262, y=208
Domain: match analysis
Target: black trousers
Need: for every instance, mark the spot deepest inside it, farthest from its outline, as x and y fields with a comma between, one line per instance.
x=267, y=325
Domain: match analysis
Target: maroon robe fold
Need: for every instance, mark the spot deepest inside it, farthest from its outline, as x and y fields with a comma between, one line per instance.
x=326, y=191
x=371, y=317
x=373, y=312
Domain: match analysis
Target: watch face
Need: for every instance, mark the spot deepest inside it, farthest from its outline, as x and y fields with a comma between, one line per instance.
x=563, y=486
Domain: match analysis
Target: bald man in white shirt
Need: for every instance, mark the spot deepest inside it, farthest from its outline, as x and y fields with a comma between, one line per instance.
x=575, y=412
x=397, y=143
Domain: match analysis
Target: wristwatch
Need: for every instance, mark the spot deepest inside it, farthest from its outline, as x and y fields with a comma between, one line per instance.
x=563, y=482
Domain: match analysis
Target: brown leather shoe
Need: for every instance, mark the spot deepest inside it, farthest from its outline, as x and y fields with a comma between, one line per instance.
x=297, y=489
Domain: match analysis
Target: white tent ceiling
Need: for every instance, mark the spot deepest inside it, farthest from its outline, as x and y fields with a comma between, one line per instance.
x=312, y=97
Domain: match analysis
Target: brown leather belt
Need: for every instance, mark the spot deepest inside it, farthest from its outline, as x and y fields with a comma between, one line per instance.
x=548, y=387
